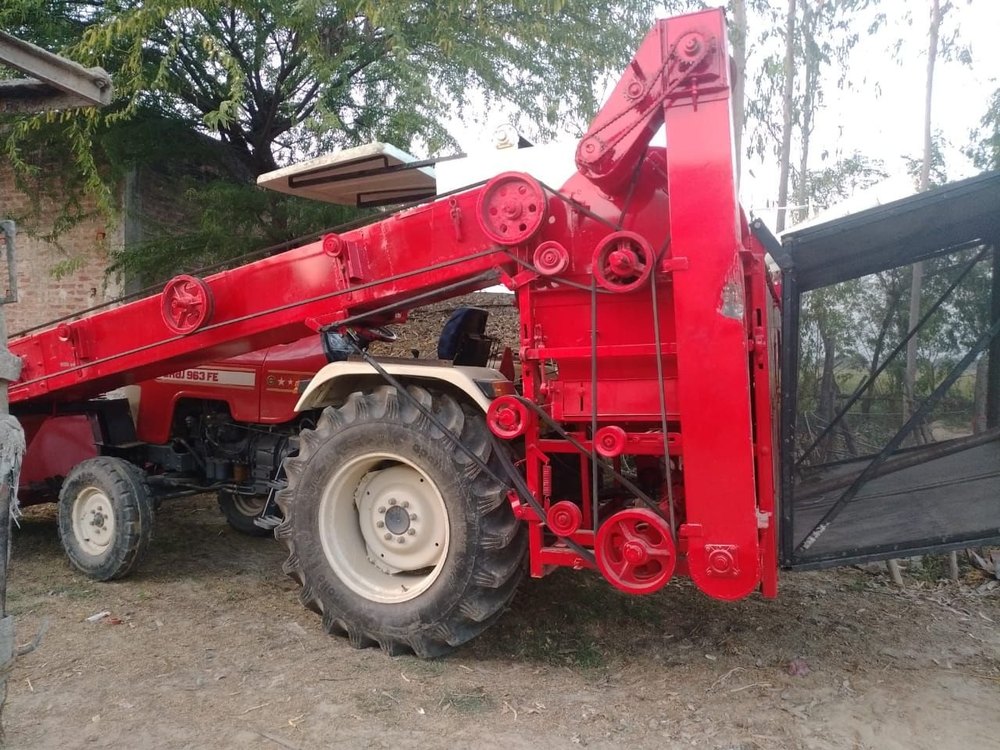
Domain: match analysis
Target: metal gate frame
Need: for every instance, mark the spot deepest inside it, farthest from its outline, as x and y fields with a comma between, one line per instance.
x=946, y=220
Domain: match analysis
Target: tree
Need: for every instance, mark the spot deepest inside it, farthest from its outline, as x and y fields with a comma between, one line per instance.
x=787, y=113
x=985, y=148
x=738, y=40
x=937, y=11
x=273, y=82
x=817, y=35
x=839, y=323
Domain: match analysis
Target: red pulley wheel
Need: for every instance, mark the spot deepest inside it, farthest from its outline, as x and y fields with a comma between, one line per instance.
x=511, y=208
x=187, y=304
x=564, y=518
x=508, y=417
x=623, y=261
x=551, y=258
x=635, y=551
x=610, y=441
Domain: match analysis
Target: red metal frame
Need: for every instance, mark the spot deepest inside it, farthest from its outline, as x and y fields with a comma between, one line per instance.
x=648, y=243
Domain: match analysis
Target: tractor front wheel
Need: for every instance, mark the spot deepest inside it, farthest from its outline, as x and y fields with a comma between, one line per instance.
x=241, y=511
x=105, y=517
x=397, y=536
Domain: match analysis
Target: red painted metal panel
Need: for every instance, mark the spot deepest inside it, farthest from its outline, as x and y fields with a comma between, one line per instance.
x=272, y=301
x=55, y=445
x=710, y=309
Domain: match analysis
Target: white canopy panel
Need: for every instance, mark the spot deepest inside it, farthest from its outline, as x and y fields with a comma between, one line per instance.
x=375, y=174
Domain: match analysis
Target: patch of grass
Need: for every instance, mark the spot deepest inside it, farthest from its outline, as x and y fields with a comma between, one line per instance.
x=375, y=701
x=469, y=702
x=577, y=619
x=236, y=594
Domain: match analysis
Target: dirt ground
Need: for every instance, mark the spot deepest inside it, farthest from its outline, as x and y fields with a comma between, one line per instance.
x=208, y=647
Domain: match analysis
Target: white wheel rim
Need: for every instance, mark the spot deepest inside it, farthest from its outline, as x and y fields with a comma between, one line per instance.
x=249, y=505
x=384, y=528
x=93, y=521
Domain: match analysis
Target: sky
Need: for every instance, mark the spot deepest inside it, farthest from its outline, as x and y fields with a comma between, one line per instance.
x=880, y=112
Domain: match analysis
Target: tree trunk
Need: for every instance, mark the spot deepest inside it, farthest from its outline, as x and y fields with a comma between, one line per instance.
x=738, y=39
x=788, y=115
x=827, y=385
x=979, y=396
x=917, y=275
x=810, y=19
x=892, y=300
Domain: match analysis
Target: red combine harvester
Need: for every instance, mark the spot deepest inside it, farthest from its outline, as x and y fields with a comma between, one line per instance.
x=640, y=439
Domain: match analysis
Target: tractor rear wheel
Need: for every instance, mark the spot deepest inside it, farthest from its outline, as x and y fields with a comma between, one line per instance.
x=242, y=510
x=398, y=537
x=105, y=517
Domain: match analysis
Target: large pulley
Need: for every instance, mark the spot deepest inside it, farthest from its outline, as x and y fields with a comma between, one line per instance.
x=635, y=551
x=511, y=208
x=623, y=261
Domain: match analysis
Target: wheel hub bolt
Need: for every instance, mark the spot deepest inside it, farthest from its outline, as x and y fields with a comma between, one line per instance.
x=411, y=532
x=380, y=524
x=392, y=501
x=405, y=503
x=381, y=509
x=413, y=516
x=388, y=537
x=402, y=540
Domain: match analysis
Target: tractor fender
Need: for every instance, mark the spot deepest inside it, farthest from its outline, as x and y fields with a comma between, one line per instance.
x=337, y=380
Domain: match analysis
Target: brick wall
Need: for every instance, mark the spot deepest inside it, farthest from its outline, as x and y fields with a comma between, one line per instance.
x=43, y=296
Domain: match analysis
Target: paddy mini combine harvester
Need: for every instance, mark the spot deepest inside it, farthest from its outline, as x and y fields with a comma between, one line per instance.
x=638, y=435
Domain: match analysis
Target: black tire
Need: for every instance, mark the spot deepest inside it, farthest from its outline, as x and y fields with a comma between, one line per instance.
x=241, y=511
x=108, y=496
x=474, y=579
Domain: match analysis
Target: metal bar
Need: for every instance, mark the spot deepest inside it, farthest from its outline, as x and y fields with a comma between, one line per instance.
x=903, y=460
x=900, y=549
x=774, y=248
x=91, y=86
x=391, y=197
x=870, y=381
x=899, y=437
x=993, y=364
x=791, y=302
x=594, y=488
x=661, y=392
x=480, y=281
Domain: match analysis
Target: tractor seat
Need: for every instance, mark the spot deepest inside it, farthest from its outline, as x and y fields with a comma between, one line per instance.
x=463, y=339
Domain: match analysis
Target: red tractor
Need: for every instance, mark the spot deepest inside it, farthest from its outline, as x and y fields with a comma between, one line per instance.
x=223, y=427
x=640, y=439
